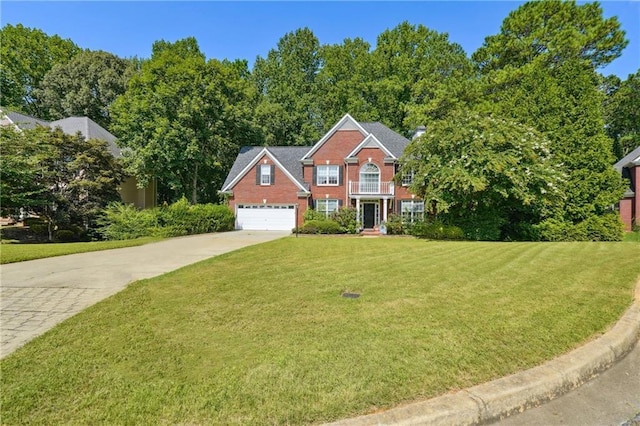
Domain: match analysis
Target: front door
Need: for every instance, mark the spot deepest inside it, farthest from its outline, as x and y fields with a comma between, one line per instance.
x=369, y=213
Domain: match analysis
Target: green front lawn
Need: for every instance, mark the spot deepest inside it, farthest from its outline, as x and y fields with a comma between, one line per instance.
x=263, y=336
x=19, y=252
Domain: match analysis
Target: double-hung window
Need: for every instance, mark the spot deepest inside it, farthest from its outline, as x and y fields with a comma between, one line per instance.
x=265, y=174
x=407, y=178
x=327, y=175
x=411, y=210
x=327, y=206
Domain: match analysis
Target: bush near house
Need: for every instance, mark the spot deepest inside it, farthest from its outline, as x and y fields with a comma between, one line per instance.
x=123, y=222
x=426, y=228
x=608, y=227
x=342, y=221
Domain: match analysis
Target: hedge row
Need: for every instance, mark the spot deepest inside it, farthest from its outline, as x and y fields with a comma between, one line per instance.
x=123, y=222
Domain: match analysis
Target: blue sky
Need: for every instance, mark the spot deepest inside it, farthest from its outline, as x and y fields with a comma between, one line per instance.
x=244, y=30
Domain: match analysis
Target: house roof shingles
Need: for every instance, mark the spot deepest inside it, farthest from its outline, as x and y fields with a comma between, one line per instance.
x=393, y=141
x=290, y=156
x=70, y=125
x=628, y=159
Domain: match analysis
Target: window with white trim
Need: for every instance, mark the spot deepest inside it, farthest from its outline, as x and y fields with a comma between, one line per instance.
x=265, y=174
x=327, y=175
x=327, y=206
x=411, y=210
x=407, y=178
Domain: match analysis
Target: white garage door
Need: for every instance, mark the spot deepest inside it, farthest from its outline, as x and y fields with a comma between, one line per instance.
x=266, y=217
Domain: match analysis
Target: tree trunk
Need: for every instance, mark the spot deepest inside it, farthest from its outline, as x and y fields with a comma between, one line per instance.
x=194, y=194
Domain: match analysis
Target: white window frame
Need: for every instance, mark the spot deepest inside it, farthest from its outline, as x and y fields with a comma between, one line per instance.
x=265, y=178
x=411, y=210
x=327, y=205
x=325, y=175
x=407, y=177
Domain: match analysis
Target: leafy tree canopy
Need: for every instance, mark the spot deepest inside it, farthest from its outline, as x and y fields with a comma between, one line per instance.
x=622, y=115
x=552, y=32
x=86, y=85
x=64, y=178
x=491, y=176
x=288, y=111
x=182, y=117
x=27, y=55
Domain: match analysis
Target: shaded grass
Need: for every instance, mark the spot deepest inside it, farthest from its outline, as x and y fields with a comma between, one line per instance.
x=19, y=252
x=262, y=336
x=632, y=237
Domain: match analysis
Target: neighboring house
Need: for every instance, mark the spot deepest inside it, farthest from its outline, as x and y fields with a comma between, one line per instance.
x=629, y=207
x=129, y=192
x=352, y=165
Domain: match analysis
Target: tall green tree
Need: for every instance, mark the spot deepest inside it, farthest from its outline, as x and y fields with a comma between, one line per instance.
x=289, y=112
x=417, y=75
x=552, y=32
x=534, y=72
x=493, y=177
x=180, y=119
x=86, y=85
x=345, y=82
x=622, y=115
x=27, y=55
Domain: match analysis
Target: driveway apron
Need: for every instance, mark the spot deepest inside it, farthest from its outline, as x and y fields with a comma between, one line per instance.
x=38, y=294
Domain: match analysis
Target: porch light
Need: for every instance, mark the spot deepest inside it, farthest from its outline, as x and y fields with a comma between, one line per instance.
x=264, y=201
x=327, y=162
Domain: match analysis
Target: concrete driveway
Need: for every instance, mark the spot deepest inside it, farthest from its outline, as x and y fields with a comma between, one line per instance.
x=38, y=294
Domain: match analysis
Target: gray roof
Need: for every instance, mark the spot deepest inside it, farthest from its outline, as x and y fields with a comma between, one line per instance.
x=628, y=159
x=25, y=121
x=393, y=141
x=70, y=125
x=288, y=156
x=89, y=129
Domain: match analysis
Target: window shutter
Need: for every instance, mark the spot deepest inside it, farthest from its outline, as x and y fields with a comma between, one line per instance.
x=399, y=206
x=340, y=175
x=258, y=174
x=315, y=176
x=339, y=203
x=314, y=204
x=273, y=174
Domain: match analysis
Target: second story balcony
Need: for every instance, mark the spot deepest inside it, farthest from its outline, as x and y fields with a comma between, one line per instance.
x=370, y=188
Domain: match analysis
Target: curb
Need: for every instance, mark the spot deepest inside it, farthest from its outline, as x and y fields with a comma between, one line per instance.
x=500, y=398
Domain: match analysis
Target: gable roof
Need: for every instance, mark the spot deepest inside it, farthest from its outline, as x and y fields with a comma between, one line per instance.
x=369, y=142
x=346, y=123
x=23, y=121
x=287, y=158
x=632, y=158
x=89, y=129
x=390, y=141
x=394, y=142
x=70, y=125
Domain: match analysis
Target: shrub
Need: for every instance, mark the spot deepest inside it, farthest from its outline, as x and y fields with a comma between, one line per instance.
x=312, y=214
x=607, y=227
x=125, y=222
x=394, y=224
x=347, y=219
x=436, y=231
x=64, y=235
x=320, y=227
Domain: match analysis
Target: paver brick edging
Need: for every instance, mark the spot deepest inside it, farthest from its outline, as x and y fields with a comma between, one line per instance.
x=515, y=393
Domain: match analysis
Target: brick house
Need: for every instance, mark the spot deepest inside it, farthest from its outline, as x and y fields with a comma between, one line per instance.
x=351, y=165
x=629, y=205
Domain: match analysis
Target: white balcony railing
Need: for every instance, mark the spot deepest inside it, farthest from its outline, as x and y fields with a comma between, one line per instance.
x=378, y=188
